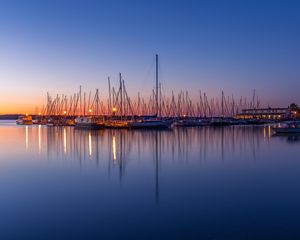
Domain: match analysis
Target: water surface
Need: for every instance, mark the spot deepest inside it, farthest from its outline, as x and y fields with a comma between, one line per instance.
x=237, y=182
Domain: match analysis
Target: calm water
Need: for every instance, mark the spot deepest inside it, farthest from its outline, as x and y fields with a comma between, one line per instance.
x=196, y=183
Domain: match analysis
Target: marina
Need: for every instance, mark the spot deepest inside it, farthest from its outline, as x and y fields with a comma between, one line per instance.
x=83, y=110
x=149, y=120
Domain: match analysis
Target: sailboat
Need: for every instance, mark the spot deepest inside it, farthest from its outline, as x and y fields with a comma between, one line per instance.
x=89, y=122
x=152, y=122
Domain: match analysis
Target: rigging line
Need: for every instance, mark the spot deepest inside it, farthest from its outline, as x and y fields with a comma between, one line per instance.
x=160, y=71
x=146, y=78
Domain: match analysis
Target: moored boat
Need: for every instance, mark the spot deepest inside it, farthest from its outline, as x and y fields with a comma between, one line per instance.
x=88, y=122
x=112, y=123
x=24, y=120
x=286, y=130
x=150, y=123
x=190, y=122
x=220, y=121
x=291, y=127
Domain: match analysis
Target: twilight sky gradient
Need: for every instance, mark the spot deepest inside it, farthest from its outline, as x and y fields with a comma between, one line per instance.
x=208, y=45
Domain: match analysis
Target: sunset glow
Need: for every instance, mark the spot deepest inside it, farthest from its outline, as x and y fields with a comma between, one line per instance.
x=47, y=48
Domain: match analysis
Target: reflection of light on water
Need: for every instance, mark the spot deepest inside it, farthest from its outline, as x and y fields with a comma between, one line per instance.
x=65, y=140
x=56, y=136
x=90, y=144
x=114, y=148
x=265, y=134
x=40, y=140
x=269, y=131
x=26, y=137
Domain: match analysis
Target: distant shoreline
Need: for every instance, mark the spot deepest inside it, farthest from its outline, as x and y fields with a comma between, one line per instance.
x=9, y=116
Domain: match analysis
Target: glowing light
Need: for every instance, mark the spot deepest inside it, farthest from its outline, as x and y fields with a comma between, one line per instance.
x=269, y=131
x=65, y=112
x=114, y=109
x=90, y=144
x=39, y=113
x=114, y=148
x=90, y=110
x=26, y=114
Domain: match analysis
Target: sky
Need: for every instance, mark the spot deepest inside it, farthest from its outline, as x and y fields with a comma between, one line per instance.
x=237, y=46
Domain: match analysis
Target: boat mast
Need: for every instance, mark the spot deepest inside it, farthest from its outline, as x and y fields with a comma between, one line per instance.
x=80, y=104
x=109, y=96
x=156, y=94
x=222, y=104
x=121, y=92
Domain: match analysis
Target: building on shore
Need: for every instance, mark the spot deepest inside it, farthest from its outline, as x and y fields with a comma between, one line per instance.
x=265, y=113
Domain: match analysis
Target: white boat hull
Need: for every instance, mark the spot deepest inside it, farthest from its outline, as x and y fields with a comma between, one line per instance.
x=286, y=130
x=88, y=123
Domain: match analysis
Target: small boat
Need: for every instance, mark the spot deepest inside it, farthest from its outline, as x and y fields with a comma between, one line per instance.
x=150, y=123
x=116, y=123
x=189, y=122
x=40, y=121
x=53, y=122
x=24, y=120
x=259, y=121
x=69, y=122
x=220, y=121
x=88, y=123
x=289, y=127
x=36, y=121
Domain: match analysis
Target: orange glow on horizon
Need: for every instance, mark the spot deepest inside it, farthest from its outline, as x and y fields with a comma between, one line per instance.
x=18, y=108
x=21, y=102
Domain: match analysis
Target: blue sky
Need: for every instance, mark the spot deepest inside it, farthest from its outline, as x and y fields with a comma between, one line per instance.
x=211, y=45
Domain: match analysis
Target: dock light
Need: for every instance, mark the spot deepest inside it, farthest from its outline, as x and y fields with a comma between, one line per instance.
x=26, y=114
x=114, y=109
x=39, y=113
x=65, y=112
x=90, y=110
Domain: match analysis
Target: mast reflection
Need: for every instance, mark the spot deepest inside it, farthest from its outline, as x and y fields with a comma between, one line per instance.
x=178, y=144
x=26, y=137
x=116, y=149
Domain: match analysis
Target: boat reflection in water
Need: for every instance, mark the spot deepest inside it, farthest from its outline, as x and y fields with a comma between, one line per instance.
x=233, y=182
x=289, y=131
x=114, y=150
x=177, y=143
